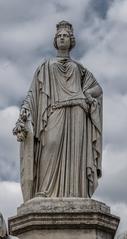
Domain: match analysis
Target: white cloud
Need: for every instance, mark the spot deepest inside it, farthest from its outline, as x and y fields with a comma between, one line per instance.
x=112, y=186
x=120, y=209
x=9, y=152
x=118, y=12
x=12, y=83
x=107, y=52
x=10, y=198
x=115, y=116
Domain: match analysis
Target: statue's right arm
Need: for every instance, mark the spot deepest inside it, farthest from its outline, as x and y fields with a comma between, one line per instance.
x=20, y=129
x=27, y=109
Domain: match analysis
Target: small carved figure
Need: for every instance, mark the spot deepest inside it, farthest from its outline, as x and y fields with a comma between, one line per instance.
x=3, y=229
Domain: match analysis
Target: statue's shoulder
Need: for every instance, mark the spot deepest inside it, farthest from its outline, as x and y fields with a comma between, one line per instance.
x=82, y=69
x=40, y=67
x=39, y=73
x=52, y=60
x=42, y=64
x=46, y=61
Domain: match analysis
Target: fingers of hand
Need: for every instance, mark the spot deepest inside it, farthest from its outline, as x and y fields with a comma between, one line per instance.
x=24, y=113
x=21, y=136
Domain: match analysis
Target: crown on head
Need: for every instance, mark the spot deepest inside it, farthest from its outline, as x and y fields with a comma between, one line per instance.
x=64, y=25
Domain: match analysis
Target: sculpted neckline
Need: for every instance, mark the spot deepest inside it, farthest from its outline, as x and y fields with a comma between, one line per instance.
x=63, y=58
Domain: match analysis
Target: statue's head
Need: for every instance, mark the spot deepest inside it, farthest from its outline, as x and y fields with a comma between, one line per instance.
x=64, y=38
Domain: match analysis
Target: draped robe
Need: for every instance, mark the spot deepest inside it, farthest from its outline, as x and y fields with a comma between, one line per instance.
x=61, y=155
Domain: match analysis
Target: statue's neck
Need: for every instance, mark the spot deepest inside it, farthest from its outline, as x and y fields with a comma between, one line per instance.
x=63, y=53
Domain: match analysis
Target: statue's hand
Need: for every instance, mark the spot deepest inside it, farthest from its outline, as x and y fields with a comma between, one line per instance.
x=21, y=135
x=89, y=98
x=24, y=114
x=20, y=130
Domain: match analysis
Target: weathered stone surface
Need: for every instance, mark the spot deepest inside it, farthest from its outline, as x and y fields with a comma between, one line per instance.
x=62, y=205
x=65, y=234
x=68, y=218
x=60, y=126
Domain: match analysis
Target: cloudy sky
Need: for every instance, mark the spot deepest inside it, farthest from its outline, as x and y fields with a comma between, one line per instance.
x=26, y=35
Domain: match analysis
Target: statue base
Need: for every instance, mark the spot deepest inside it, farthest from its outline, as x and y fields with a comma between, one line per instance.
x=66, y=218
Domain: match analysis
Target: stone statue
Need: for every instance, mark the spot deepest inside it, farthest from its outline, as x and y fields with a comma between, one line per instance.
x=3, y=229
x=60, y=126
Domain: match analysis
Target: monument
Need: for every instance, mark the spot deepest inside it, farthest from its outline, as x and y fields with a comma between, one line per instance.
x=60, y=130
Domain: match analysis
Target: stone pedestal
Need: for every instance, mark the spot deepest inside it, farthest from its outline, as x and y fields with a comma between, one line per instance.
x=63, y=218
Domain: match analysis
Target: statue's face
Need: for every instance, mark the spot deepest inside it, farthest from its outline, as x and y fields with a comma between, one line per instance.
x=63, y=40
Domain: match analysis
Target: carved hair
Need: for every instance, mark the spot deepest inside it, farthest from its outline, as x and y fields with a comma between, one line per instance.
x=68, y=28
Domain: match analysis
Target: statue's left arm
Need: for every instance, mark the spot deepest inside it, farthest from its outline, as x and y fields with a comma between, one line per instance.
x=93, y=92
x=90, y=86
